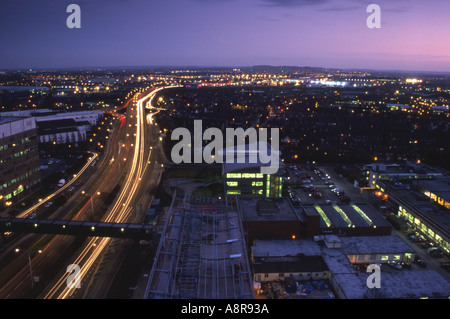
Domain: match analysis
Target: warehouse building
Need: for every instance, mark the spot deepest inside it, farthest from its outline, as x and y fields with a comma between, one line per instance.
x=340, y=255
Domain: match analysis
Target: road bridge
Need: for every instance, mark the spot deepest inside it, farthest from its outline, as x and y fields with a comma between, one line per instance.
x=76, y=228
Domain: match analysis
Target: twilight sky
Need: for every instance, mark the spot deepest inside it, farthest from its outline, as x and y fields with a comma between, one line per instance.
x=414, y=34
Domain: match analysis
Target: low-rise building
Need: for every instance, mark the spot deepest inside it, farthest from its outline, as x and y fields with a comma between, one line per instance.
x=334, y=258
x=62, y=131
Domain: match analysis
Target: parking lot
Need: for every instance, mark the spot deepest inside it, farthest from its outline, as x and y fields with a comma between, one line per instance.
x=427, y=257
x=321, y=184
x=318, y=185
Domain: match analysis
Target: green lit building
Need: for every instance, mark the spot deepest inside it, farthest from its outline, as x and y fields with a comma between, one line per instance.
x=247, y=180
x=19, y=159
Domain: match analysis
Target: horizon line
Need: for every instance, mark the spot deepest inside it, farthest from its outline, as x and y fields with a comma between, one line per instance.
x=80, y=68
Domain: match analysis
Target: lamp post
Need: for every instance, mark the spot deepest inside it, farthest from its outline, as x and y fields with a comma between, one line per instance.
x=17, y=250
x=91, y=200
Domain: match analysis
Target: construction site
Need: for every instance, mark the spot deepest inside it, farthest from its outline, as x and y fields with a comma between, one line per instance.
x=201, y=253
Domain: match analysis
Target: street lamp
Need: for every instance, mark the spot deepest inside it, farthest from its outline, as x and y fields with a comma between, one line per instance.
x=17, y=250
x=91, y=200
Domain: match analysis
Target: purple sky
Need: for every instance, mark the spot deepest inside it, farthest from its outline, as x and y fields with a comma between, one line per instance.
x=414, y=34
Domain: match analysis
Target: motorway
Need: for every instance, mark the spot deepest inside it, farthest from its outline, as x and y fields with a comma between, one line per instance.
x=130, y=160
x=138, y=181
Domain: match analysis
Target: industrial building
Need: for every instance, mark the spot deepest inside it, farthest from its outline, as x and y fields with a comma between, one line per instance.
x=277, y=218
x=60, y=127
x=354, y=219
x=370, y=174
x=63, y=131
x=50, y=115
x=417, y=193
x=423, y=206
x=339, y=256
x=201, y=253
x=19, y=158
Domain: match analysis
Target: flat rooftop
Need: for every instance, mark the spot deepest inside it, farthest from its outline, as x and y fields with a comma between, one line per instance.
x=374, y=245
x=336, y=261
x=9, y=119
x=347, y=215
x=431, y=210
x=397, y=284
x=335, y=258
x=411, y=284
x=439, y=186
x=201, y=254
x=350, y=245
x=272, y=209
x=402, y=168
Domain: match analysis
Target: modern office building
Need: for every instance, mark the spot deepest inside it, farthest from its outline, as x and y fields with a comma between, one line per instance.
x=246, y=179
x=19, y=158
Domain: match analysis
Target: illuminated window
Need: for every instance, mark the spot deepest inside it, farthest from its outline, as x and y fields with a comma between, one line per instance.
x=248, y=175
x=232, y=183
x=397, y=257
x=233, y=175
x=385, y=257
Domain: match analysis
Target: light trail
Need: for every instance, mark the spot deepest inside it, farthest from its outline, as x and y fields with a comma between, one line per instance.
x=119, y=212
x=63, y=188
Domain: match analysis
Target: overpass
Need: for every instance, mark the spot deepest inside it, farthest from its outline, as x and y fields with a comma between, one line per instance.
x=76, y=228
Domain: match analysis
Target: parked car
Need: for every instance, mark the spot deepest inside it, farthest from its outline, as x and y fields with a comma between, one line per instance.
x=436, y=253
x=419, y=262
x=406, y=265
x=317, y=195
x=395, y=265
x=427, y=245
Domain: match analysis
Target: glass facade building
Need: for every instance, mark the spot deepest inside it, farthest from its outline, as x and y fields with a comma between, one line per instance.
x=250, y=182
